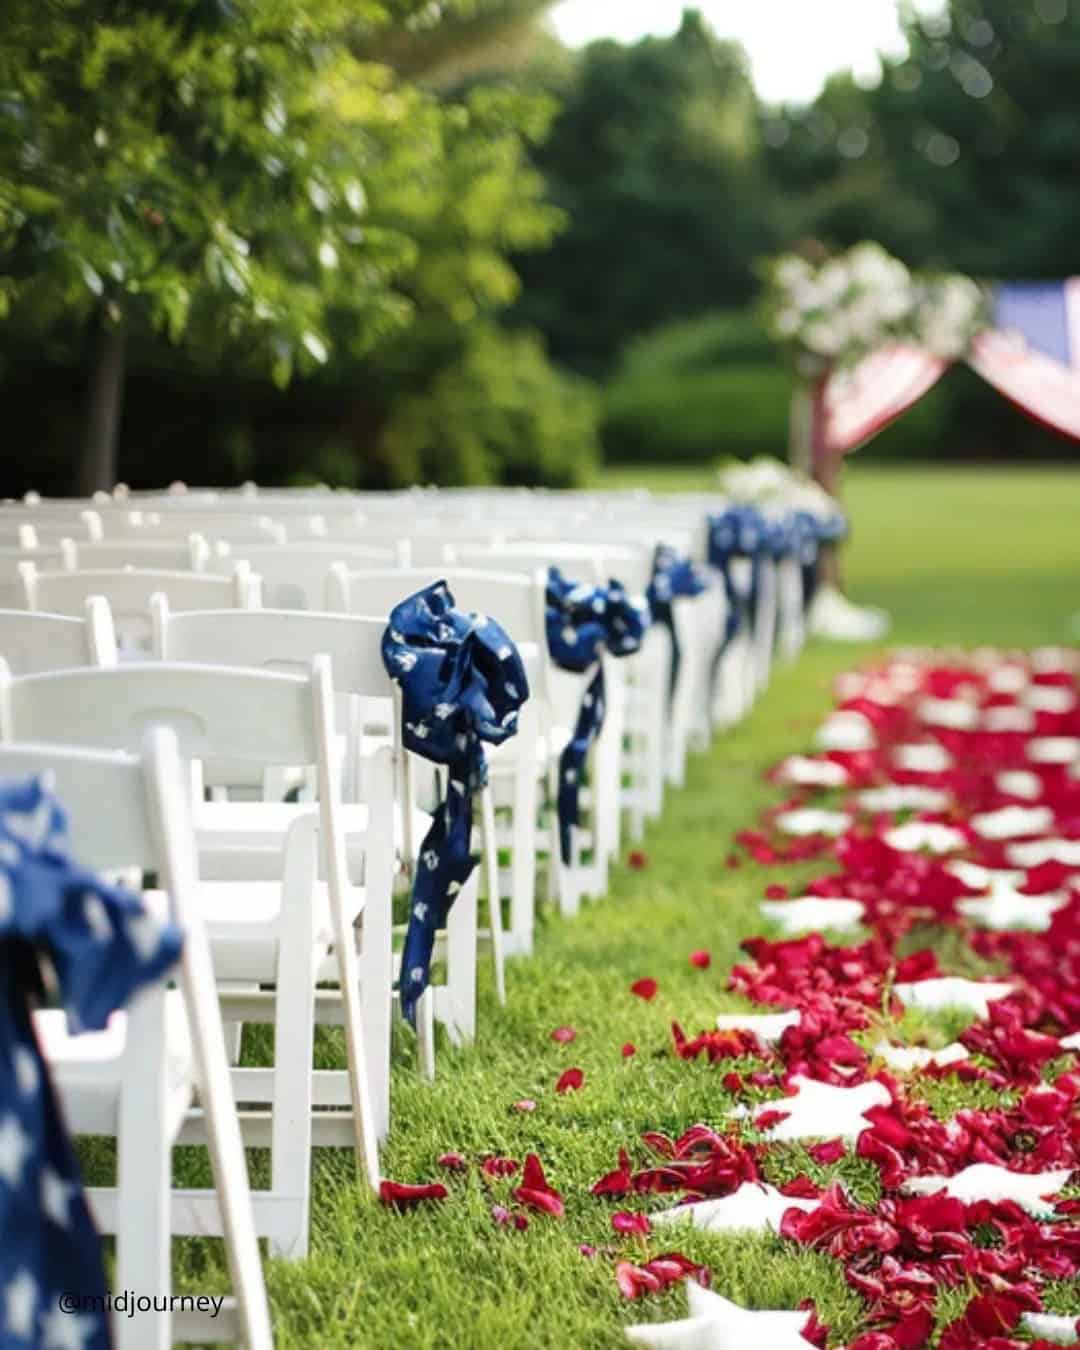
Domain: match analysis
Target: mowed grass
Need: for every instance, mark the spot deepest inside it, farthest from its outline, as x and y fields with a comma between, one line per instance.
x=957, y=557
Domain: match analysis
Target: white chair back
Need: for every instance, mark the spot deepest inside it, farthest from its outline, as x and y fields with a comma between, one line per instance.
x=192, y=553
x=128, y=591
x=295, y=575
x=31, y=643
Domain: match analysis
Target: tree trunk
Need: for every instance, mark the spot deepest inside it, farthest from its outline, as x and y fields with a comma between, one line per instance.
x=104, y=397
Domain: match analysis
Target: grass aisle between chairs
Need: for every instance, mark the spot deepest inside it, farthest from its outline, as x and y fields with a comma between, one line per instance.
x=446, y=1274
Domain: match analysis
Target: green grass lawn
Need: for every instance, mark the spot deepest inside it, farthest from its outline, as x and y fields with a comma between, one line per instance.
x=957, y=557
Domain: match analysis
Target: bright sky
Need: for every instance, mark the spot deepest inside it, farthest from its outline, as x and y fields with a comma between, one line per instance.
x=793, y=45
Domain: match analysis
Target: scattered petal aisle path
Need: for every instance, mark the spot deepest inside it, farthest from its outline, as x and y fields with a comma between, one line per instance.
x=899, y=1062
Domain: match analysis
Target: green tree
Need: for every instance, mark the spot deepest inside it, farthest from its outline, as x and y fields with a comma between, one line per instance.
x=654, y=158
x=195, y=169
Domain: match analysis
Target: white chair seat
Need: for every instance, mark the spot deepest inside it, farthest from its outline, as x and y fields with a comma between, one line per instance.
x=243, y=923
x=549, y=745
x=86, y=1068
x=263, y=825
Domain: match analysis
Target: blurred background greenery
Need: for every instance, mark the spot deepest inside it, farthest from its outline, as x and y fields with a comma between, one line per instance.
x=373, y=242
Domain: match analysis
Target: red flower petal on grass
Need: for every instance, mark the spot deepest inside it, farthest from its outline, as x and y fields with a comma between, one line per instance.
x=535, y=1192
x=570, y=1081
x=402, y=1195
x=629, y=1049
x=832, y=1150
x=701, y=959
x=635, y=1281
x=453, y=1162
x=626, y=1222
x=638, y=859
x=564, y=1035
x=619, y=1182
x=767, y=1119
x=774, y=891
x=645, y=989
x=499, y=1167
x=526, y=1104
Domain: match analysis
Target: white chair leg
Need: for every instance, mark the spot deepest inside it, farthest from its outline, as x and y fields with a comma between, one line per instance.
x=461, y=964
x=425, y=1034
x=494, y=899
x=523, y=860
x=294, y=1031
x=144, y=1177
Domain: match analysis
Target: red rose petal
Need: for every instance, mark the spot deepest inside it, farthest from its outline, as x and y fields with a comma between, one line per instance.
x=535, y=1192
x=629, y=1049
x=402, y=1195
x=564, y=1035
x=526, y=1104
x=645, y=988
x=626, y=1222
x=701, y=959
x=453, y=1162
x=570, y=1081
x=638, y=859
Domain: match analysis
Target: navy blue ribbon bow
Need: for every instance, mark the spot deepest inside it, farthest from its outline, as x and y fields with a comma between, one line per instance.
x=582, y=622
x=673, y=575
x=102, y=945
x=462, y=683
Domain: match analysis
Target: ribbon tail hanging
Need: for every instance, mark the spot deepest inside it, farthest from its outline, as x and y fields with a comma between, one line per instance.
x=572, y=760
x=445, y=864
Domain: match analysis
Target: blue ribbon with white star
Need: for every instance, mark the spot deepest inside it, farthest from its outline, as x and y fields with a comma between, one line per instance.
x=102, y=945
x=584, y=621
x=462, y=683
x=673, y=575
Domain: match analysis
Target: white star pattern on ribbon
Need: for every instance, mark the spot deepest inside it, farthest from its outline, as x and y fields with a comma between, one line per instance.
x=65, y=1331
x=987, y=1181
x=812, y=912
x=20, y=1302
x=822, y=1111
x=753, y=1208
x=714, y=1323
x=15, y=1147
x=951, y=991
x=55, y=1196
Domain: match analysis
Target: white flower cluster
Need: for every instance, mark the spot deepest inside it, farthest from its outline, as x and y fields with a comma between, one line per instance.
x=839, y=312
x=773, y=486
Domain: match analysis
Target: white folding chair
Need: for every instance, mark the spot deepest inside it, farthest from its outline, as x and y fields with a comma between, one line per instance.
x=12, y=560
x=129, y=590
x=31, y=643
x=294, y=575
x=283, y=640
x=596, y=840
x=275, y=934
x=178, y=555
x=136, y=1079
x=516, y=603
